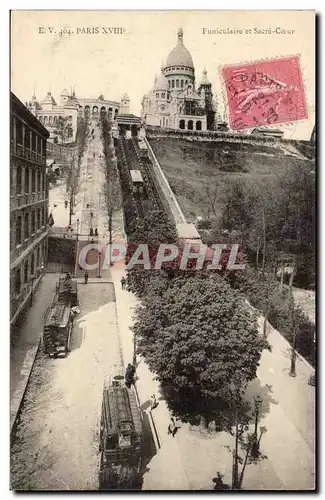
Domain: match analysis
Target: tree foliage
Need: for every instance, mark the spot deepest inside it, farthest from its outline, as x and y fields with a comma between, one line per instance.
x=63, y=129
x=197, y=336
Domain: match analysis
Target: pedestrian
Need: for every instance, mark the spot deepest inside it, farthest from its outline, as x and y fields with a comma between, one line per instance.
x=153, y=402
x=123, y=281
x=129, y=375
x=91, y=232
x=86, y=278
x=172, y=429
x=96, y=231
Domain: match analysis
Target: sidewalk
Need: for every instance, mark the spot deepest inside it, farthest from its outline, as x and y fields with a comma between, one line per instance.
x=25, y=340
x=165, y=470
x=191, y=459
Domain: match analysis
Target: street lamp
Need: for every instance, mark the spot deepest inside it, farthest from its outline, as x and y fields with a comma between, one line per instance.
x=99, y=256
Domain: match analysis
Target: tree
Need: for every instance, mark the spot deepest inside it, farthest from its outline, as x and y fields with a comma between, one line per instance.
x=64, y=129
x=197, y=336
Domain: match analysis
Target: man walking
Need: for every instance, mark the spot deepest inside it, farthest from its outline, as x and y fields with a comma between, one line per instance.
x=123, y=281
x=86, y=278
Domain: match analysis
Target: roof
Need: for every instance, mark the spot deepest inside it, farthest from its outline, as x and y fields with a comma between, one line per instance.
x=18, y=108
x=58, y=316
x=118, y=409
x=136, y=176
x=180, y=56
x=205, y=80
x=125, y=97
x=49, y=99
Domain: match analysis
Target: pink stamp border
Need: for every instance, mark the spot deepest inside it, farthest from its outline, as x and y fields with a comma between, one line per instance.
x=292, y=86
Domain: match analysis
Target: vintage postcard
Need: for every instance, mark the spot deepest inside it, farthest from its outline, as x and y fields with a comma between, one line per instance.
x=162, y=251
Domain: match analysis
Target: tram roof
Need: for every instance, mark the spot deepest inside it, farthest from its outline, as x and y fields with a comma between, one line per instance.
x=136, y=176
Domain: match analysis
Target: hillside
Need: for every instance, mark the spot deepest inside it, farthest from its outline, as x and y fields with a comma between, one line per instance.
x=194, y=168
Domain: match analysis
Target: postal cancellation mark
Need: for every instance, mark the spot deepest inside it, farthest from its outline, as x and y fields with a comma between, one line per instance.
x=265, y=93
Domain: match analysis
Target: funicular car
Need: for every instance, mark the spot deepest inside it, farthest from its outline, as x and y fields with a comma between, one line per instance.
x=120, y=438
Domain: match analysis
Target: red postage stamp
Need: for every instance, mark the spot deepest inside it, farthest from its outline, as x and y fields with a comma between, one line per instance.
x=265, y=93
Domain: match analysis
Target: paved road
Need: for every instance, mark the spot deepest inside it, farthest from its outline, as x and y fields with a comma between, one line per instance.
x=55, y=445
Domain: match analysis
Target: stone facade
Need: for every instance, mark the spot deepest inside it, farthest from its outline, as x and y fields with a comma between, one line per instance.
x=28, y=204
x=174, y=101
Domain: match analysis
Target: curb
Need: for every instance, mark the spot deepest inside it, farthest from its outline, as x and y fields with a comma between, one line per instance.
x=154, y=430
x=18, y=396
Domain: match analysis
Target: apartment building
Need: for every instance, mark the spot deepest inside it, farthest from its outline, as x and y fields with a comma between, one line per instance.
x=28, y=204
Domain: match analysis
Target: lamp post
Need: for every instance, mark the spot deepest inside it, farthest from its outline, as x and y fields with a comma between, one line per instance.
x=99, y=256
x=77, y=228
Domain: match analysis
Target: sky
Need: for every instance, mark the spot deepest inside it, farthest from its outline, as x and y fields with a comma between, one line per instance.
x=51, y=50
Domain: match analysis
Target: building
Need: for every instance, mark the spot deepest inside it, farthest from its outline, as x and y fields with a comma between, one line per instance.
x=28, y=204
x=70, y=107
x=174, y=101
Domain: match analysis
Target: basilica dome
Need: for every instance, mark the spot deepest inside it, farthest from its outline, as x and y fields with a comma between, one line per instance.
x=180, y=56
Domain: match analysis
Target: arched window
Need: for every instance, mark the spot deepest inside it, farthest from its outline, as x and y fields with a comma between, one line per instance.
x=110, y=111
x=87, y=110
x=70, y=117
x=18, y=230
x=157, y=95
x=55, y=120
x=50, y=121
x=26, y=226
x=40, y=118
x=95, y=109
x=173, y=84
x=116, y=113
x=186, y=82
x=182, y=124
x=177, y=84
x=198, y=125
x=169, y=83
x=190, y=125
x=45, y=120
x=26, y=180
x=163, y=95
x=182, y=84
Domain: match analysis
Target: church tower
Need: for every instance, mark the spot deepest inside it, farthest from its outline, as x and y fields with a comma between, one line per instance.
x=205, y=89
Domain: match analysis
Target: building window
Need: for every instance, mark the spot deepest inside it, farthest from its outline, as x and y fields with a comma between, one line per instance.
x=38, y=180
x=27, y=138
x=32, y=264
x=177, y=84
x=18, y=230
x=55, y=120
x=182, y=124
x=50, y=121
x=198, y=125
x=169, y=83
x=157, y=95
x=33, y=180
x=186, y=82
x=163, y=95
x=26, y=272
x=27, y=180
x=19, y=132
x=19, y=176
x=39, y=145
x=26, y=226
x=173, y=83
x=38, y=218
x=34, y=142
x=182, y=84
x=33, y=222
x=190, y=125
x=17, y=282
